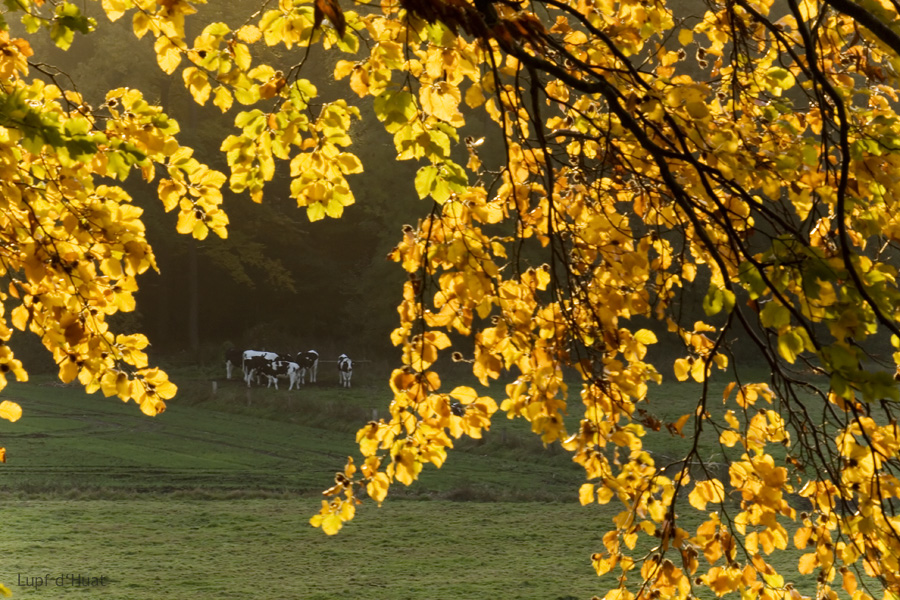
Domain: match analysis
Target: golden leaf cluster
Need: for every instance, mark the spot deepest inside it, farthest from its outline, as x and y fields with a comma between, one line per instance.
x=602, y=177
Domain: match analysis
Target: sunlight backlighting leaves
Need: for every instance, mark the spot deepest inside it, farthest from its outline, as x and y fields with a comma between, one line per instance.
x=603, y=209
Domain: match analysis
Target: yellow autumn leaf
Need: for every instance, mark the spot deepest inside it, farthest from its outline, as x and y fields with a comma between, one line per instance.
x=348, y=511
x=732, y=420
x=167, y=54
x=200, y=230
x=603, y=564
x=710, y=490
x=149, y=406
x=359, y=80
x=19, y=317
x=849, y=581
x=682, y=369
x=10, y=411
x=802, y=536
x=109, y=384
x=115, y=8
x=697, y=110
x=464, y=394
x=223, y=98
x=474, y=96
x=727, y=391
x=439, y=339
x=729, y=438
x=197, y=83
x=187, y=219
x=586, y=493
x=331, y=524
x=349, y=163
x=68, y=371
x=698, y=371
x=377, y=488
x=125, y=302
x=441, y=99
x=315, y=211
x=249, y=34
x=807, y=563
x=329, y=521
x=170, y=192
x=678, y=425
x=342, y=68
x=140, y=23
x=645, y=336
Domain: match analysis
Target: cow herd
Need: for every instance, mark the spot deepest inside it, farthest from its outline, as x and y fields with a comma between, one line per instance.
x=261, y=367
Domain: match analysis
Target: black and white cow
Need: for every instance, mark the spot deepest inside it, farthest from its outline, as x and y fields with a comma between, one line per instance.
x=309, y=363
x=275, y=369
x=233, y=358
x=345, y=370
x=253, y=360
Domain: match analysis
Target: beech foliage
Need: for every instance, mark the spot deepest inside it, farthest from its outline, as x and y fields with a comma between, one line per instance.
x=635, y=150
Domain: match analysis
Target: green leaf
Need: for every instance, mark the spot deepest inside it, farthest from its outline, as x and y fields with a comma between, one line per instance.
x=395, y=109
x=425, y=180
x=217, y=29
x=118, y=165
x=752, y=280
x=77, y=126
x=246, y=96
x=441, y=190
x=31, y=22
x=438, y=147
x=717, y=300
x=840, y=357
x=67, y=21
x=840, y=386
x=349, y=43
x=302, y=91
x=810, y=155
x=253, y=120
x=790, y=344
x=774, y=315
x=61, y=35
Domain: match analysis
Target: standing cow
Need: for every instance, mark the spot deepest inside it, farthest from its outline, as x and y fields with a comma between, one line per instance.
x=253, y=360
x=309, y=363
x=345, y=370
x=281, y=368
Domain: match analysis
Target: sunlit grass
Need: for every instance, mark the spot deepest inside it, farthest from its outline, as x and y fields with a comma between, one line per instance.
x=213, y=498
x=158, y=548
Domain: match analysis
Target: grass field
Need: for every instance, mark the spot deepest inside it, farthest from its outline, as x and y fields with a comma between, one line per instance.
x=264, y=548
x=212, y=499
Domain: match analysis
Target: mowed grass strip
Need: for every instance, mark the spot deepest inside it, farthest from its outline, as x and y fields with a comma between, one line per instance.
x=265, y=549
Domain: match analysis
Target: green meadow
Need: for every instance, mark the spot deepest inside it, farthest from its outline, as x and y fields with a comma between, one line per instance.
x=212, y=499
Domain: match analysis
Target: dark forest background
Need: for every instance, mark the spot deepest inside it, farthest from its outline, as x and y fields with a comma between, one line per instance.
x=278, y=282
